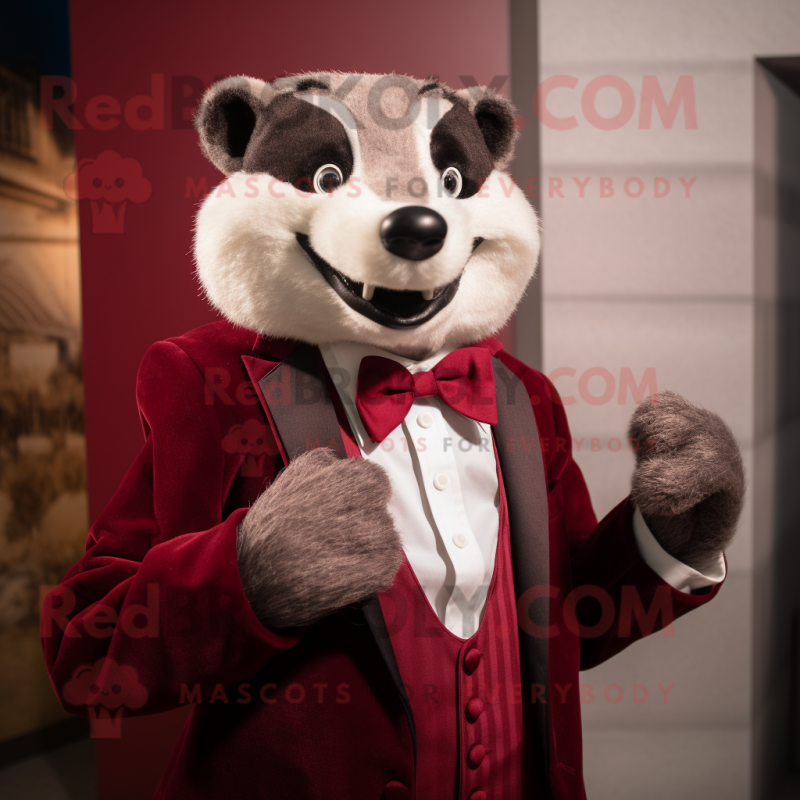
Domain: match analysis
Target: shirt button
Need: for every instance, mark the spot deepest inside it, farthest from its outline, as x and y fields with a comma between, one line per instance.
x=474, y=709
x=460, y=540
x=471, y=661
x=441, y=481
x=424, y=420
x=479, y=795
x=475, y=755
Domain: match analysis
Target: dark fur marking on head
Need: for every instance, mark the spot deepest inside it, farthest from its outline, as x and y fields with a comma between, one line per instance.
x=293, y=139
x=435, y=86
x=289, y=138
x=457, y=141
x=311, y=83
x=430, y=87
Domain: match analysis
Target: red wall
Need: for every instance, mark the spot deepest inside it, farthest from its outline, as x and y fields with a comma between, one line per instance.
x=138, y=285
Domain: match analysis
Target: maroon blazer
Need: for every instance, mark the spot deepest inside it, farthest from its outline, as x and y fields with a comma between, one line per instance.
x=154, y=615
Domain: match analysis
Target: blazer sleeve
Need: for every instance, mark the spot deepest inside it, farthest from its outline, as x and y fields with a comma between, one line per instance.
x=618, y=598
x=156, y=605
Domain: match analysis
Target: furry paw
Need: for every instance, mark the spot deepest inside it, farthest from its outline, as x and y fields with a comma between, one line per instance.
x=320, y=538
x=689, y=479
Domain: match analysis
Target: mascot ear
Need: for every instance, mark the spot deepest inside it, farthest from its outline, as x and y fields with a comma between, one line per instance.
x=495, y=117
x=227, y=117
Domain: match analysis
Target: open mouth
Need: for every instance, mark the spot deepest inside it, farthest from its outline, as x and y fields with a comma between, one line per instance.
x=392, y=308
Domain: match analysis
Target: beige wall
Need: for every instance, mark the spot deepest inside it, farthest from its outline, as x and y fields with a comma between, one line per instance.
x=665, y=283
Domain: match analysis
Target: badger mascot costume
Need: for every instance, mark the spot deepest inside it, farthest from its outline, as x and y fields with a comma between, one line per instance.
x=375, y=562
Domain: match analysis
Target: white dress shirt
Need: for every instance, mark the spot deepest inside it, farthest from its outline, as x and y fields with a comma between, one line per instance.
x=445, y=496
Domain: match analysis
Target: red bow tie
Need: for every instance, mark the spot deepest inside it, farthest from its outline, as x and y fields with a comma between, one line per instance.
x=385, y=389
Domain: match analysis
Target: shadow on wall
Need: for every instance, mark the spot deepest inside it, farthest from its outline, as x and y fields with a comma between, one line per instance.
x=777, y=595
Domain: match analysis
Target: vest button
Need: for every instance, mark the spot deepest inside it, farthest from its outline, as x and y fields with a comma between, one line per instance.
x=395, y=791
x=474, y=709
x=480, y=795
x=471, y=661
x=476, y=755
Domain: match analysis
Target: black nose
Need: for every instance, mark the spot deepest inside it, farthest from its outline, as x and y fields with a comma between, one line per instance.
x=414, y=232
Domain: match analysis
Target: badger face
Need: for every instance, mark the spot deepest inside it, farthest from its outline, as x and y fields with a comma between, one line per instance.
x=367, y=208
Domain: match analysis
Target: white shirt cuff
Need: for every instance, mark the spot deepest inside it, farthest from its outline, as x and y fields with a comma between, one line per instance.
x=677, y=574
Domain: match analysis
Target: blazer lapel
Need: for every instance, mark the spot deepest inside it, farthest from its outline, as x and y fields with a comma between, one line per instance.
x=520, y=455
x=298, y=404
x=296, y=400
x=373, y=613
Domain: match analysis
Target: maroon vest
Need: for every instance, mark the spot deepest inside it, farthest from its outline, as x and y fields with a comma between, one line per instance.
x=300, y=420
x=465, y=693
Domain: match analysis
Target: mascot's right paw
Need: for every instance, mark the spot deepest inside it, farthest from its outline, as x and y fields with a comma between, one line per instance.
x=320, y=538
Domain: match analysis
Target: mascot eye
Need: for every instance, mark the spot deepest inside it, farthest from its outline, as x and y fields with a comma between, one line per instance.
x=327, y=178
x=452, y=181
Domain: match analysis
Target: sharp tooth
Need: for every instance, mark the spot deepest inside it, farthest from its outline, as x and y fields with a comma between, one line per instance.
x=368, y=291
x=427, y=294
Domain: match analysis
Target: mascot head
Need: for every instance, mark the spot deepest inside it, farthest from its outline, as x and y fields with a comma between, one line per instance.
x=366, y=208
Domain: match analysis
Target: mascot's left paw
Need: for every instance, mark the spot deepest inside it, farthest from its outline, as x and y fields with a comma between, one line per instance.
x=689, y=479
